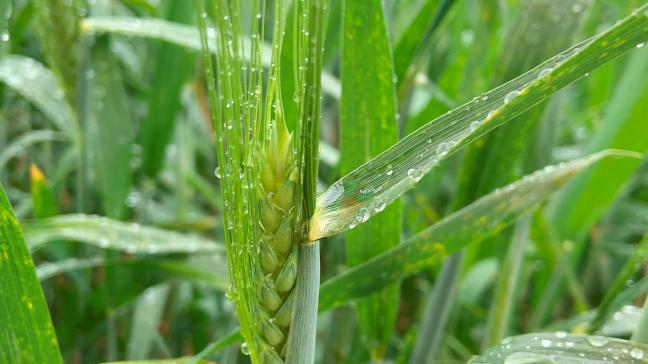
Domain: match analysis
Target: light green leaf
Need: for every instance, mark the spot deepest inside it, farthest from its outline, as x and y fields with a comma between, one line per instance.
x=111, y=234
x=26, y=332
x=182, y=35
x=26, y=140
x=474, y=223
x=386, y=177
x=36, y=83
x=109, y=131
x=368, y=126
x=564, y=348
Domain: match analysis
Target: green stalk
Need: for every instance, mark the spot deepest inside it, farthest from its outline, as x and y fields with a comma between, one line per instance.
x=437, y=311
x=509, y=278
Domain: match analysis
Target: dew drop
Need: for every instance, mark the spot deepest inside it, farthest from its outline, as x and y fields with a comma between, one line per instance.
x=380, y=205
x=231, y=293
x=244, y=349
x=544, y=72
x=362, y=215
x=217, y=172
x=637, y=353
x=597, y=341
x=546, y=343
x=414, y=174
x=561, y=334
x=640, y=45
x=510, y=96
x=4, y=37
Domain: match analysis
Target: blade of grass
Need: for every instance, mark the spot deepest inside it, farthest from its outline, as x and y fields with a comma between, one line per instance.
x=368, y=126
x=147, y=313
x=605, y=311
x=428, y=17
x=20, y=144
x=110, y=131
x=174, y=65
x=561, y=347
x=111, y=234
x=393, y=172
x=57, y=26
x=474, y=223
x=502, y=306
x=26, y=333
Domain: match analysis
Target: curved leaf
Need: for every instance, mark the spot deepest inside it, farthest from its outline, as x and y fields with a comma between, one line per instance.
x=36, y=83
x=477, y=221
x=112, y=234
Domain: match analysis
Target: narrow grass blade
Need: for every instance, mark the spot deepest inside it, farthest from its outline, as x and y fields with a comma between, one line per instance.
x=386, y=177
x=482, y=219
x=111, y=234
x=368, y=126
x=437, y=311
x=182, y=35
x=109, y=131
x=502, y=306
x=586, y=197
x=174, y=65
x=26, y=140
x=46, y=271
x=147, y=314
x=39, y=85
x=26, y=333
x=186, y=360
x=57, y=26
x=605, y=309
x=232, y=338
x=560, y=347
x=428, y=17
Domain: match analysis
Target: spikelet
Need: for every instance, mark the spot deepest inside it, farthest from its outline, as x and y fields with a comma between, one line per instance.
x=277, y=253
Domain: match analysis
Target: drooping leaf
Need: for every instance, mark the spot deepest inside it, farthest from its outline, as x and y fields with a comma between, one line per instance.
x=387, y=176
x=39, y=85
x=26, y=332
x=21, y=143
x=111, y=234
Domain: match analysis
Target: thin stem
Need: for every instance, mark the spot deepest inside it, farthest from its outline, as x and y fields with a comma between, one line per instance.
x=301, y=342
x=437, y=311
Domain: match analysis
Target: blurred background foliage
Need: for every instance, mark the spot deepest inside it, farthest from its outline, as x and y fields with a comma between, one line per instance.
x=106, y=154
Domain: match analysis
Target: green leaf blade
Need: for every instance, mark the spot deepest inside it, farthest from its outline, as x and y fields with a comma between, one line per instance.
x=389, y=175
x=26, y=333
x=368, y=126
x=473, y=223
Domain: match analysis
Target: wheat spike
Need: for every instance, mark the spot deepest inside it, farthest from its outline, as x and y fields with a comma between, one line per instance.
x=278, y=253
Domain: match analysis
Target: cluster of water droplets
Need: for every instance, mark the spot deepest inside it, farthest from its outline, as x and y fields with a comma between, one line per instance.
x=561, y=347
